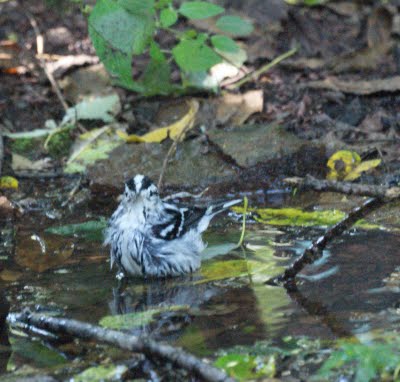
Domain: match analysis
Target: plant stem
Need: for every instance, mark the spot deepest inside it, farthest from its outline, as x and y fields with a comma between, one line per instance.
x=254, y=75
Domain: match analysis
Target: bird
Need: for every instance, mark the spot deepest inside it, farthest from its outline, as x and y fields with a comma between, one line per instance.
x=152, y=237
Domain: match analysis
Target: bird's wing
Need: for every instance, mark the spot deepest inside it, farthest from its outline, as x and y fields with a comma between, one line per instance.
x=177, y=221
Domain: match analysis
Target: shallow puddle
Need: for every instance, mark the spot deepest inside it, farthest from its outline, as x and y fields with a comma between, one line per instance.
x=353, y=289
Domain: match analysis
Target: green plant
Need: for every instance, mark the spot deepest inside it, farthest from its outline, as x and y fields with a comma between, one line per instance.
x=121, y=30
x=365, y=361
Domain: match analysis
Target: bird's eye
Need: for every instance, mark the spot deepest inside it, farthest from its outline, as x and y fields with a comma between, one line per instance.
x=152, y=193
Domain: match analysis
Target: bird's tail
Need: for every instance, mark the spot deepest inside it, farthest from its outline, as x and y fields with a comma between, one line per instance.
x=214, y=210
x=220, y=207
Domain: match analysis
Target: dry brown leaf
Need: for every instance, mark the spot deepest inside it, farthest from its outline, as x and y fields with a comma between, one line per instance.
x=41, y=253
x=235, y=109
x=390, y=84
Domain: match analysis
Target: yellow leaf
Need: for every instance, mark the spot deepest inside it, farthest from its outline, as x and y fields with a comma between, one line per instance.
x=175, y=131
x=8, y=182
x=362, y=167
x=342, y=163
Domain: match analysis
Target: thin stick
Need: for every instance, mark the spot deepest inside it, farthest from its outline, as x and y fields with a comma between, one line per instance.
x=254, y=75
x=171, y=151
x=314, y=252
x=150, y=348
x=40, y=55
x=382, y=192
x=245, y=204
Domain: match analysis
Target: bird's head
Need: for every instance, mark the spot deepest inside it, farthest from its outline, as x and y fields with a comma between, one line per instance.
x=142, y=188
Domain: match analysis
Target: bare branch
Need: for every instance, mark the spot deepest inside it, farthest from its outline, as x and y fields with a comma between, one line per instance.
x=150, y=348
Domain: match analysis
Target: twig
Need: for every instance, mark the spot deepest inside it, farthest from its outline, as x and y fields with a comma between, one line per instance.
x=254, y=75
x=49, y=75
x=150, y=348
x=1, y=152
x=181, y=195
x=171, y=151
x=245, y=204
x=314, y=252
x=382, y=192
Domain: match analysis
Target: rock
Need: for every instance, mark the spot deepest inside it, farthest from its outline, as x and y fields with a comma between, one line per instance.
x=193, y=166
x=249, y=145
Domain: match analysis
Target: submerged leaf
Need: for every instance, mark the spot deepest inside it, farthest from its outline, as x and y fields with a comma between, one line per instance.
x=41, y=253
x=244, y=366
x=174, y=131
x=102, y=373
x=133, y=320
x=91, y=230
x=297, y=217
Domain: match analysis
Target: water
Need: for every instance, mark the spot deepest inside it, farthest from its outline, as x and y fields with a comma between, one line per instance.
x=353, y=289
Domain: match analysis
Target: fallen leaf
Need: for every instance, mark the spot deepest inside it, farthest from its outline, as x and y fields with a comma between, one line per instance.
x=390, y=85
x=174, y=131
x=8, y=183
x=235, y=109
x=91, y=230
x=9, y=275
x=21, y=163
x=102, y=108
x=91, y=147
x=342, y=163
x=362, y=167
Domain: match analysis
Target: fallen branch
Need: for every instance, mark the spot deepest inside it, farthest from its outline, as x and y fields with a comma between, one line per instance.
x=150, y=348
x=314, y=252
x=381, y=192
x=1, y=153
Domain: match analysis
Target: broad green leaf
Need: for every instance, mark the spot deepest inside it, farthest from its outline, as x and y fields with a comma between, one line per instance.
x=92, y=229
x=224, y=43
x=145, y=7
x=156, y=78
x=101, y=373
x=34, y=351
x=194, y=56
x=168, y=17
x=234, y=25
x=117, y=34
x=199, y=9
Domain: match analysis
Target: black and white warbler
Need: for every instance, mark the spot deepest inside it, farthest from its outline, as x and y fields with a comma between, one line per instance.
x=152, y=237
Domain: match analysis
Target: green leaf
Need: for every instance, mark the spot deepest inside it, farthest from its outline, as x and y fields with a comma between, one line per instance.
x=157, y=77
x=102, y=373
x=224, y=43
x=168, y=17
x=234, y=25
x=194, y=56
x=117, y=34
x=199, y=10
x=91, y=230
x=138, y=6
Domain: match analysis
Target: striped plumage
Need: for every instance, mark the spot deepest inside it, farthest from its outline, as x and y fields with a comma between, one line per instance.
x=152, y=237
